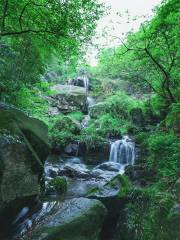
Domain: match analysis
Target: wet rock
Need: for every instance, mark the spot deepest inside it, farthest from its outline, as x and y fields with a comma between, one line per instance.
x=113, y=189
x=23, y=150
x=109, y=166
x=74, y=171
x=98, y=154
x=75, y=219
x=80, y=82
x=113, y=196
x=72, y=149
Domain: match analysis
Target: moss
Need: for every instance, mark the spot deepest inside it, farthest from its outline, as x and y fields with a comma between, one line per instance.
x=60, y=184
x=92, y=191
x=125, y=185
x=78, y=116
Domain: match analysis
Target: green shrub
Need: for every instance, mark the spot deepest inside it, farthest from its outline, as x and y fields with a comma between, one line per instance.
x=164, y=155
x=91, y=137
x=78, y=116
x=120, y=103
x=172, y=120
x=60, y=184
x=147, y=215
x=65, y=130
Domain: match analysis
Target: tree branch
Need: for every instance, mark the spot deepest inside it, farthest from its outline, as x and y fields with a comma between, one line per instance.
x=4, y=15
x=29, y=31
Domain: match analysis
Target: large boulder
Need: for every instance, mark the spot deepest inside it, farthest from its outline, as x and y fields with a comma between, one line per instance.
x=75, y=219
x=23, y=150
x=112, y=194
x=68, y=99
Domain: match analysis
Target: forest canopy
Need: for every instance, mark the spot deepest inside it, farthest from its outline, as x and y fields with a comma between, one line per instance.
x=34, y=32
x=150, y=57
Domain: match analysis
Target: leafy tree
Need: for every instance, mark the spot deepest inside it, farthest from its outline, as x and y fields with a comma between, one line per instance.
x=150, y=57
x=34, y=33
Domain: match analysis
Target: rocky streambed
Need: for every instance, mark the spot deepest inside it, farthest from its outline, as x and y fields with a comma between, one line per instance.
x=78, y=213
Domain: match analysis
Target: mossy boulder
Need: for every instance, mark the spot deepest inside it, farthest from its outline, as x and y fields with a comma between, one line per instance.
x=112, y=194
x=76, y=219
x=59, y=184
x=68, y=99
x=23, y=150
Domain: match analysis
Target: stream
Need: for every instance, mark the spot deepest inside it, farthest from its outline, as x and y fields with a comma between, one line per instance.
x=80, y=176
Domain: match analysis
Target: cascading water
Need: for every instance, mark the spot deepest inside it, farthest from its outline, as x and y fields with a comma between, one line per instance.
x=91, y=101
x=86, y=83
x=123, y=151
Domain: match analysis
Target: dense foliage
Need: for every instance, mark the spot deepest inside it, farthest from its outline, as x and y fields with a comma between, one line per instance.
x=149, y=58
x=34, y=34
x=136, y=86
x=146, y=66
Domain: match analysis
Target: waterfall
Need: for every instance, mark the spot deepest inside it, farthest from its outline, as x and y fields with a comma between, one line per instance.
x=21, y=214
x=86, y=83
x=91, y=101
x=85, y=121
x=123, y=151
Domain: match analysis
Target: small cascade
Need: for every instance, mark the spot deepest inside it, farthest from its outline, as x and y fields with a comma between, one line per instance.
x=85, y=121
x=123, y=151
x=91, y=101
x=27, y=218
x=21, y=214
x=86, y=83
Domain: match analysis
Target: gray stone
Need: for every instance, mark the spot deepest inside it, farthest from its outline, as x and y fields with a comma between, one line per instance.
x=76, y=219
x=23, y=150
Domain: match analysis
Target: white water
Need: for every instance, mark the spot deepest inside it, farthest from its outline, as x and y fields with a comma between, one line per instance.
x=86, y=83
x=123, y=151
x=21, y=214
x=85, y=121
x=91, y=101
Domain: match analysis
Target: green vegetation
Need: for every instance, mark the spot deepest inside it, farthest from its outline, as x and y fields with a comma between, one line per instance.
x=42, y=40
x=136, y=86
x=65, y=130
x=145, y=66
x=60, y=184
